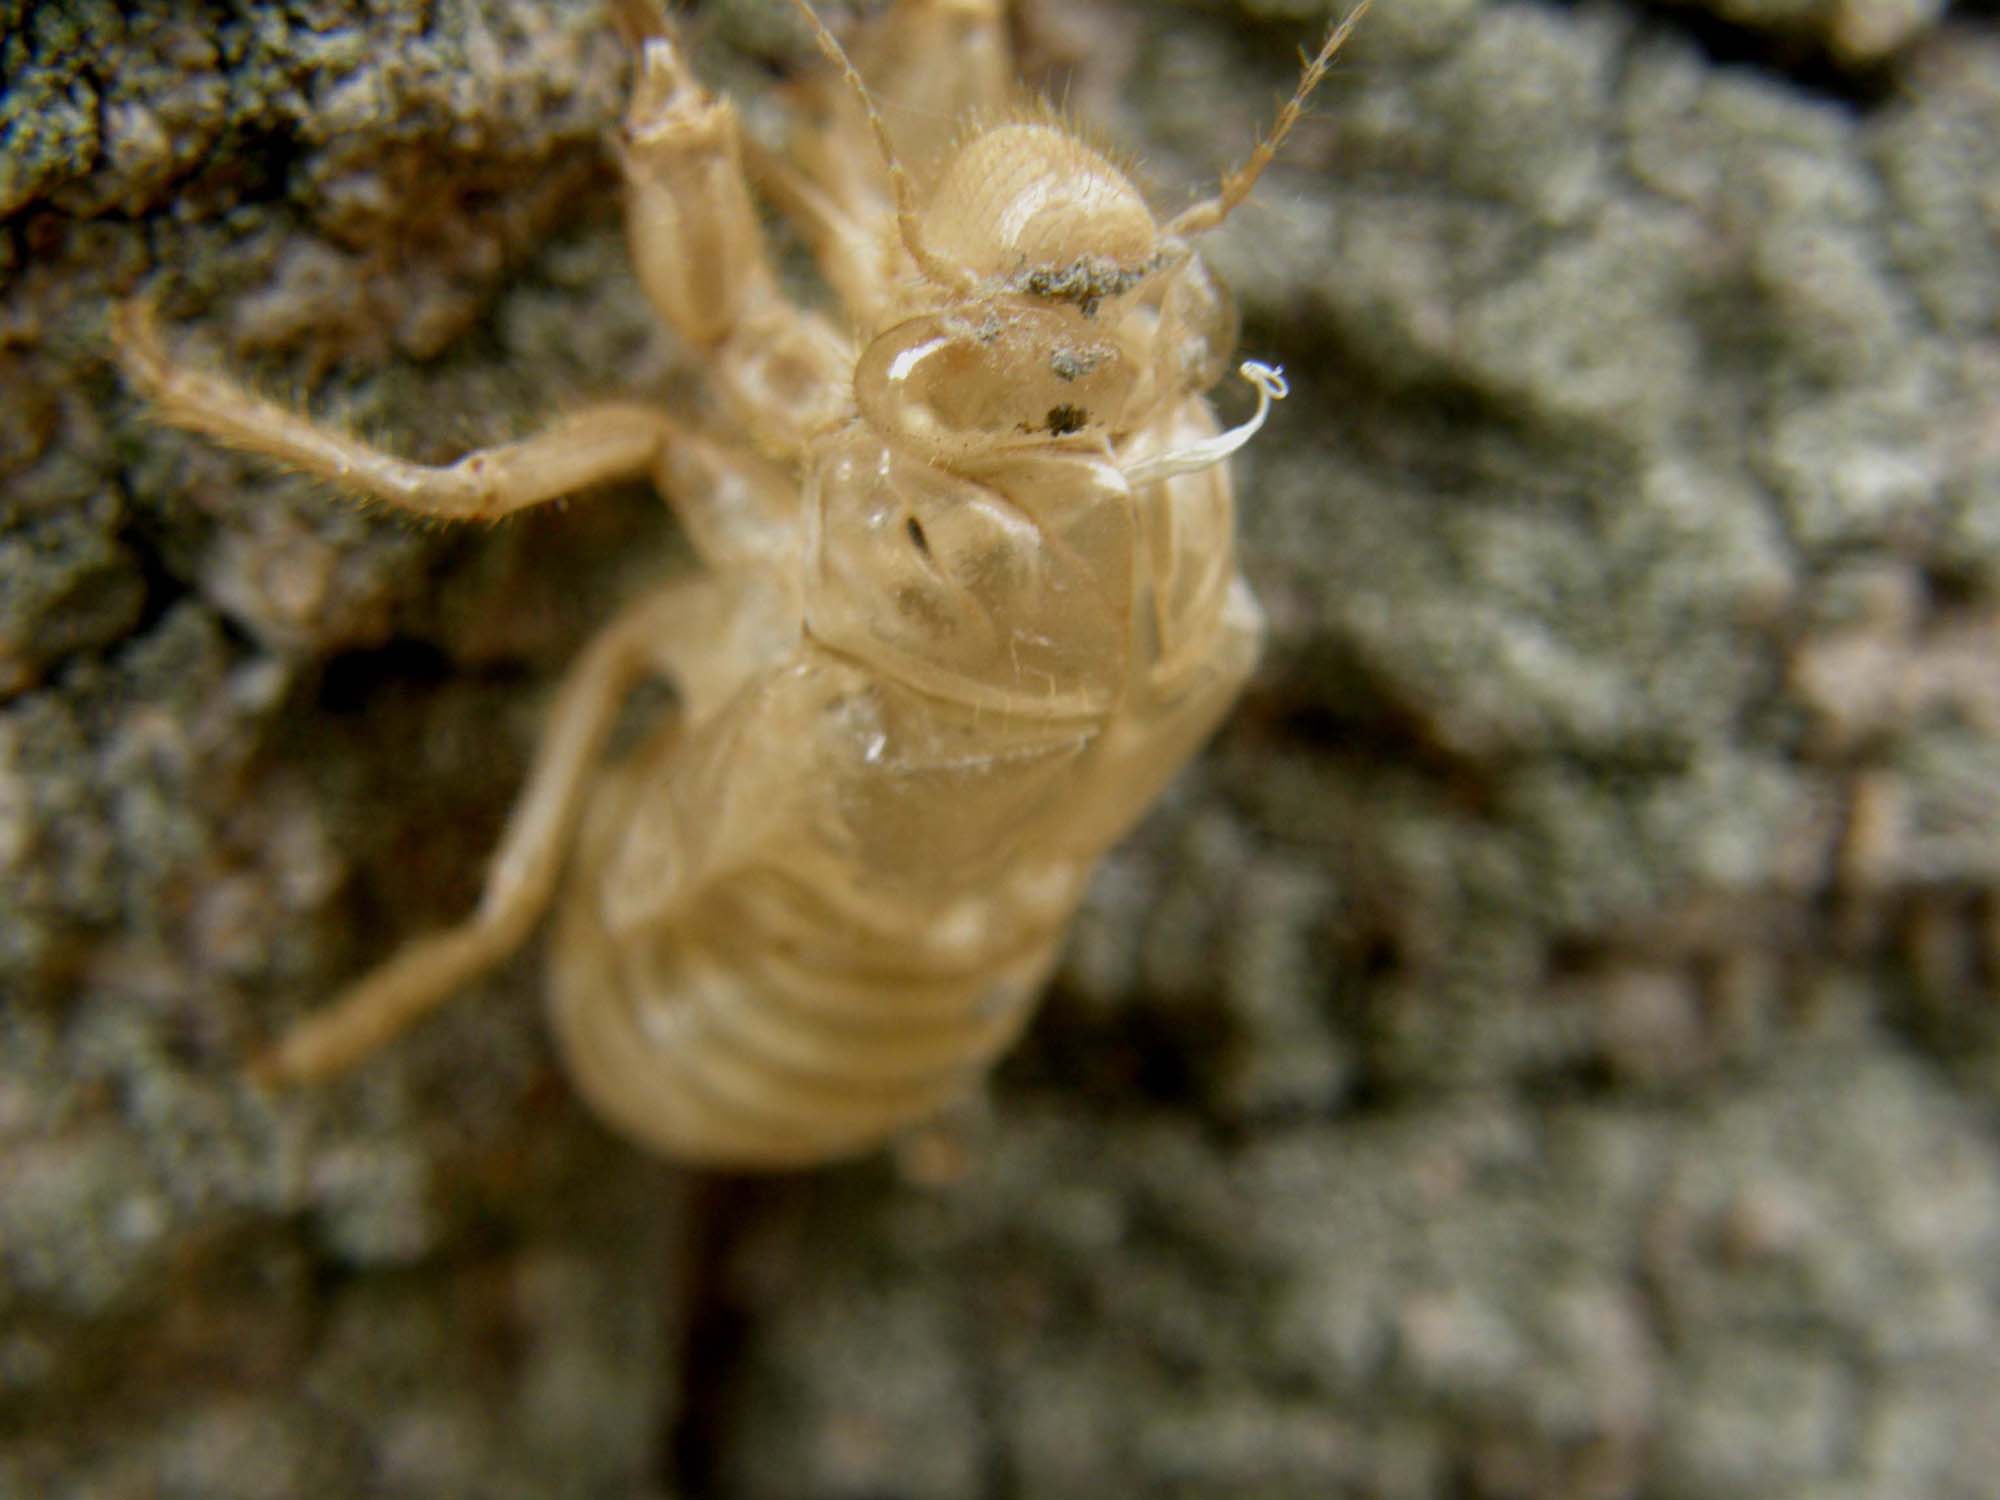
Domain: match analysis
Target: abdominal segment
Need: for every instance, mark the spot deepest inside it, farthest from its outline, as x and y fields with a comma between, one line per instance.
x=745, y=1048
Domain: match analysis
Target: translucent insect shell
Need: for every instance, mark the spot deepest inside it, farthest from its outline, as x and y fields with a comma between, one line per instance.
x=970, y=600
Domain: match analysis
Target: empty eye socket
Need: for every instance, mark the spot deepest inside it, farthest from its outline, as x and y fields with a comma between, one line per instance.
x=970, y=385
x=1184, y=333
x=1197, y=331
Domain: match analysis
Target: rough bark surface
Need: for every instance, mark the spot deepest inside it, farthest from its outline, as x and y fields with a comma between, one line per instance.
x=1550, y=1047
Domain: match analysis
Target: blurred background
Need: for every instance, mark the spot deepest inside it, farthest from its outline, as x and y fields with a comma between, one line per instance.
x=1548, y=1048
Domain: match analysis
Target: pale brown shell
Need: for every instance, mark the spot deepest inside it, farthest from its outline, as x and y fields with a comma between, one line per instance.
x=970, y=601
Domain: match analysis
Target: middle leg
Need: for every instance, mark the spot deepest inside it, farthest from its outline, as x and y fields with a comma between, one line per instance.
x=595, y=445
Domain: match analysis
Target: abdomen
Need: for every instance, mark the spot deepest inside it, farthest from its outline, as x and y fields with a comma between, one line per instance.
x=861, y=966
x=765, y=1025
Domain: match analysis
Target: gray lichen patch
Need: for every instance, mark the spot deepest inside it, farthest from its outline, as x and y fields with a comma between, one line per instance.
x=1613, y=1294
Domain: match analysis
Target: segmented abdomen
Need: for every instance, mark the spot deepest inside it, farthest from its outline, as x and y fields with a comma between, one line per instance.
x=748, y=1030
x=921, y=823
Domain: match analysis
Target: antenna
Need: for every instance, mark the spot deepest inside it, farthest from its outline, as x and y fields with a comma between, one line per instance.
x=1236, y=185
x=942, y=272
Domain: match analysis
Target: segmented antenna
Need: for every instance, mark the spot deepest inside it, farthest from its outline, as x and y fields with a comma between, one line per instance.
x=1236, y=185
x=941, y=272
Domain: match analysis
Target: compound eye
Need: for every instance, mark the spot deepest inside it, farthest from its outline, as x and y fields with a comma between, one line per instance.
x=965, y=386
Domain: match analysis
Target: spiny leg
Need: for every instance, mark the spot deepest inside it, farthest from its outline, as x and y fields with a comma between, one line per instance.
x=525, y=867
x=737, y=509
x=699, y=250
x=594, y=445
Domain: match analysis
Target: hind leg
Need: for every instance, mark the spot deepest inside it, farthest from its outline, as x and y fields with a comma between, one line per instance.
x=644, y=640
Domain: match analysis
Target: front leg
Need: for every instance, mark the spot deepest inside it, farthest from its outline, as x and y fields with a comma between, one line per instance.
x=700, y=254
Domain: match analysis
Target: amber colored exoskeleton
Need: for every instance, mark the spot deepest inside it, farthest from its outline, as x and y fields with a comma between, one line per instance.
x=970, y=597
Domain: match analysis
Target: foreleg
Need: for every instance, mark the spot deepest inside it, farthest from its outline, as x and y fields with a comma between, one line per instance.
x=700, y=253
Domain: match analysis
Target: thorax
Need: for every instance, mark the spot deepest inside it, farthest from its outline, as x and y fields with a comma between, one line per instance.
x=1045, y=588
